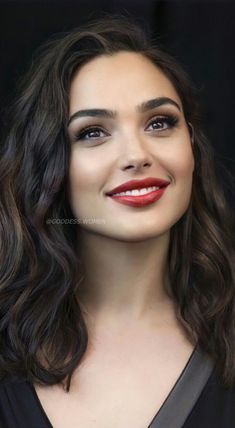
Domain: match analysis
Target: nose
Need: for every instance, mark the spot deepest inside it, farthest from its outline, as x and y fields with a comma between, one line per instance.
x=135, y=155
x=137, y=164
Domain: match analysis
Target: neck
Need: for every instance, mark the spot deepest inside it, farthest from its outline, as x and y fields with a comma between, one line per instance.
x=124, y=282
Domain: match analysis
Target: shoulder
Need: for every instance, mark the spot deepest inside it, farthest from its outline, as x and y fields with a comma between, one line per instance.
x=13, y=386
x=18, y=405
x=215, y=406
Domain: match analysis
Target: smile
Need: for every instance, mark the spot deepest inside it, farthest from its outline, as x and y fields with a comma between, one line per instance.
x=137, y=192
x=139, y=197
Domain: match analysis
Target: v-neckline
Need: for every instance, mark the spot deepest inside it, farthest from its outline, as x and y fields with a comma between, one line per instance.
x=196, y=371
x=185, y=392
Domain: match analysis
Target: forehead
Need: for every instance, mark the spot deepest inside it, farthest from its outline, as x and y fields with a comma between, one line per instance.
x=119, y=81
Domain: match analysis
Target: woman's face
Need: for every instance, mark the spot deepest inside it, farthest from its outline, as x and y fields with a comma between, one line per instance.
x=135, y=139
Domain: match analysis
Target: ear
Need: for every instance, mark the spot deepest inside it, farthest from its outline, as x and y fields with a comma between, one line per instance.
x=191, y=131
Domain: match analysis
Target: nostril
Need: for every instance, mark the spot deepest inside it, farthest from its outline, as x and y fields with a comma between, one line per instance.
x=138, y=166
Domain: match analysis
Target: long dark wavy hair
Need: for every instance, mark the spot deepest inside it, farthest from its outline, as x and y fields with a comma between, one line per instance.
x=43, y=335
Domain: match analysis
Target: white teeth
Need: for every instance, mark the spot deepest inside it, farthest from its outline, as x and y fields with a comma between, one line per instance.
x=137, y=192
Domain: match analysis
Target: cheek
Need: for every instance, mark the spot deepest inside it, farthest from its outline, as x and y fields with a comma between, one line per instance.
x=182, y=170
x=85, y=174
x=180, y=161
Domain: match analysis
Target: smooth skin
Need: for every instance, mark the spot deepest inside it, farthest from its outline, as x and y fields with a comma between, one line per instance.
x=137, y=348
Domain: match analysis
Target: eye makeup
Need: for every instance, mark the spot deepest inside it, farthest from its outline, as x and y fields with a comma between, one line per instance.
x=169, y=120
x=96, y=132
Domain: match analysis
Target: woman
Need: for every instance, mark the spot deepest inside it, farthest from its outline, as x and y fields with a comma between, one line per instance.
x=117, y=304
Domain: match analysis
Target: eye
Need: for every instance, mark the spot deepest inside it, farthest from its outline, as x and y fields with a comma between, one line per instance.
x=91, y=133
x=162, y=123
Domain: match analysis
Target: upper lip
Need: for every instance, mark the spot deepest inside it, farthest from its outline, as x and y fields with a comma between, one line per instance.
x=139, y=184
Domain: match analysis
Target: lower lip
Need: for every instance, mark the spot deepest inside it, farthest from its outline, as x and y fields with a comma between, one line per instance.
x=141, y=200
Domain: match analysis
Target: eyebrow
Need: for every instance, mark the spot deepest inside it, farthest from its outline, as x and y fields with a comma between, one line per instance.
x=111, y=114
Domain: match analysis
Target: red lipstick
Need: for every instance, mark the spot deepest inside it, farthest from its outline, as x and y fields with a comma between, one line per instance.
x=139, y=200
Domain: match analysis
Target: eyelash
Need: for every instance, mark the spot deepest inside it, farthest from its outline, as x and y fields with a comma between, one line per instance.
x=171, y=121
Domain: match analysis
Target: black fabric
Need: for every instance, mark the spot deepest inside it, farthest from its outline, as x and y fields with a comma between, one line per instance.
x=20, y=407
x=185, y=393
x=215, y=407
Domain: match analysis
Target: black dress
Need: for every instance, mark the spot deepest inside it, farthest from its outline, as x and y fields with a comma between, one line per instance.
x=197, y=400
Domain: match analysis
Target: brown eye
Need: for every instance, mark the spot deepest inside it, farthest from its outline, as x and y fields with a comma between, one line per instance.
x=162, y=123
x=92, y=134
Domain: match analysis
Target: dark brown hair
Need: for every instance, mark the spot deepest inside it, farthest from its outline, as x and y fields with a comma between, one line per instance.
x=43, y=335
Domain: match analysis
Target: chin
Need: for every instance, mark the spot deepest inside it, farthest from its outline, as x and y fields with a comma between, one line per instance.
x=135, y=235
